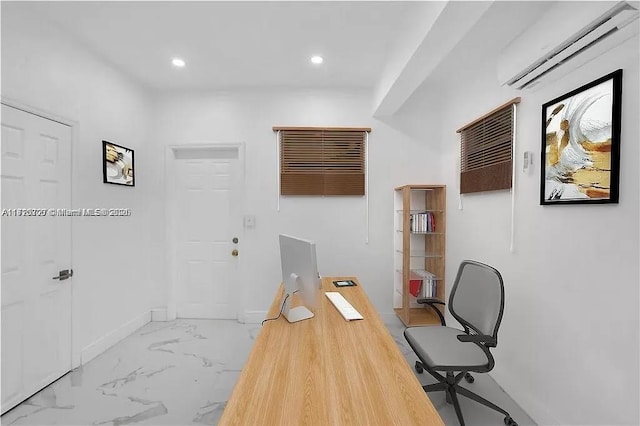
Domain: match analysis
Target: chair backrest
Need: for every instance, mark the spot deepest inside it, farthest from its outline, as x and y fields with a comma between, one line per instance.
x=477, y=298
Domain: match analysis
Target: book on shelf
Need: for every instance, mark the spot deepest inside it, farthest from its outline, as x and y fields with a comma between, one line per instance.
x=422, y=284
x=422, y=222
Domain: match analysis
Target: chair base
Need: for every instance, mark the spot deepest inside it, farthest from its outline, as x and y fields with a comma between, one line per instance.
x=450, y=385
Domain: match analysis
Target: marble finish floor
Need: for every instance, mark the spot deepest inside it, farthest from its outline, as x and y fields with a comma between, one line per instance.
x=182, y=373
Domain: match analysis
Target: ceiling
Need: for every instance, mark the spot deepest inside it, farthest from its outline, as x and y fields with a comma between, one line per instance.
x=236, y=44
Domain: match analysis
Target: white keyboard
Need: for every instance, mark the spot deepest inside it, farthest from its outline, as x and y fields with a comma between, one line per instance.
x=346, y=310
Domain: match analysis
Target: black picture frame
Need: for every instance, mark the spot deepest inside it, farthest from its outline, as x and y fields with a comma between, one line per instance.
x=118, y=165
x=576, y=169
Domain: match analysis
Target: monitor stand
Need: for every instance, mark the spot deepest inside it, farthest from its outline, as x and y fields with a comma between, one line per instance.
x=298, y=313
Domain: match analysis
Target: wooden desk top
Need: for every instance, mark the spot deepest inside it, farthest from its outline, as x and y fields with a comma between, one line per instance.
x=328, y=371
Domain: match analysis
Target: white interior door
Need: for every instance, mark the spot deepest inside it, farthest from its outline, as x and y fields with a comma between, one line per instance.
x=36, y=309
x=207, y=219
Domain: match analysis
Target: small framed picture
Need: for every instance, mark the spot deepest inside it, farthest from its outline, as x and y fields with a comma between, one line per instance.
x=117, y=164
x=581, y=144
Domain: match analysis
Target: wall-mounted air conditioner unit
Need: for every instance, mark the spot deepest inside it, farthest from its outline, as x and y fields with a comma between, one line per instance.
x=567, y=36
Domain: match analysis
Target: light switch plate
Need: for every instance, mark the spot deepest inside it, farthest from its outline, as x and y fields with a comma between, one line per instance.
x=527, y=161
x=249, y=221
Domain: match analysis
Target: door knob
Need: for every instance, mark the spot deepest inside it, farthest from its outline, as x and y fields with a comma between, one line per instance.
x=234, y=252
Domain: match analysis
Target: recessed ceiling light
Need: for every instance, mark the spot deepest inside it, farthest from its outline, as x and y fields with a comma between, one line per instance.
x=177, y=62
x=316, y=59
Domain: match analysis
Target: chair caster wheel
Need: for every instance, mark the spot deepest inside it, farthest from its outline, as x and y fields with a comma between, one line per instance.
x=469, y=378
x=509, y=421
x=419, y=368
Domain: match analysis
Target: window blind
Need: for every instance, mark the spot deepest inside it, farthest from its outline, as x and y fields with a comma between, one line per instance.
x=486, y=151
x=322, y=161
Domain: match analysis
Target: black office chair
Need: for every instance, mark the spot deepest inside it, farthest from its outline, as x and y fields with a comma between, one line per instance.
x=477, y=302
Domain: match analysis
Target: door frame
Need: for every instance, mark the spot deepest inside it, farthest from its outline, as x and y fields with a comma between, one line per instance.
x=171, y=268
x=76, y=350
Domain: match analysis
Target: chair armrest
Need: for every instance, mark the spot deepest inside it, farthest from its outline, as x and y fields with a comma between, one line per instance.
x=430, y=300
x=477, y=338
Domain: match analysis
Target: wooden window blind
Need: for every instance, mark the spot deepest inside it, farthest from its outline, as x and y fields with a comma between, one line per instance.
x=486, y=151
x=322, y=161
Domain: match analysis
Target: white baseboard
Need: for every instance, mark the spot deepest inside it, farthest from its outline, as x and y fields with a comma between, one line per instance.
x=538, y=412
x=159, y=314
x=105, y=342
x=251, y=317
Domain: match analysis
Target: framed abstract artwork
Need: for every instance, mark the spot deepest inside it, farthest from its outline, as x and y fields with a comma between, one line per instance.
x=117, y=164
x=581, y=144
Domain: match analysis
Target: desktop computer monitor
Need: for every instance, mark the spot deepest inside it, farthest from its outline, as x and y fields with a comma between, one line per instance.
x=300, y=275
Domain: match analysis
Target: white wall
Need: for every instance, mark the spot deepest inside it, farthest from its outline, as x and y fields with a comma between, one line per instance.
x=568, y=345
x=116, y=260
x=335, y=223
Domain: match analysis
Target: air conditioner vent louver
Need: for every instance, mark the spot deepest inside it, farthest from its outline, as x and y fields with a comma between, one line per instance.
x=536, y=79
x=555, y=42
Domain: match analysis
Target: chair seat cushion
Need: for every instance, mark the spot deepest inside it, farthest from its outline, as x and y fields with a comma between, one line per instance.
x=440, y=348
